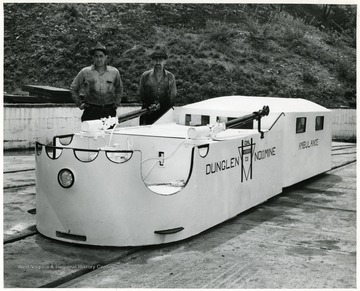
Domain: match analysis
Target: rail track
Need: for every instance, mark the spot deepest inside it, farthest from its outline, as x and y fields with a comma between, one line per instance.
x=42, y=262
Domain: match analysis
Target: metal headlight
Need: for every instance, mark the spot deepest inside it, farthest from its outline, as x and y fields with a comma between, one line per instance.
x=66, y=178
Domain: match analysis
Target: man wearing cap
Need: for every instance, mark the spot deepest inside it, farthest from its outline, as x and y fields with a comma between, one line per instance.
x=157, y=87
x=101, y=84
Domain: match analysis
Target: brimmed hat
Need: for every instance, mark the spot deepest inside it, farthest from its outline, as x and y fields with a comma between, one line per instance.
x=159, y=53
x=99, y=47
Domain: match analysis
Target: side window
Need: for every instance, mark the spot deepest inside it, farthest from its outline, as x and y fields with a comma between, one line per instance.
x=205, y=119
x=300, y=124
x=319, y=123
x=196, y=119
x=187, y=119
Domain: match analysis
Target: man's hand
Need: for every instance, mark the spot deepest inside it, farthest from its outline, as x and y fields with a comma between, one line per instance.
x=82, y=106
x=154, y=107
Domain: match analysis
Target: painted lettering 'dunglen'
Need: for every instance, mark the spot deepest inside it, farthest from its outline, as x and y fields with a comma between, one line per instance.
x=222, y=165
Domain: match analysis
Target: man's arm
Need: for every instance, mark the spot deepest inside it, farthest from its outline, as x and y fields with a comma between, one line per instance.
x=75, y=88
x=142, y=90
x=172, y=90
x=118, y=89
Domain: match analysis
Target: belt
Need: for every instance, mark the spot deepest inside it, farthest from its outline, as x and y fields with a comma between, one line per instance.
x=102, y=106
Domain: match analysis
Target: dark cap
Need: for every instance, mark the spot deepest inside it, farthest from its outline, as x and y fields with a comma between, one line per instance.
x=99, y=47
x=159, y=53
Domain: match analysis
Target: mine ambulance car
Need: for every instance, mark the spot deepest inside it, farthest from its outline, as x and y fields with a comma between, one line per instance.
x=197, y=166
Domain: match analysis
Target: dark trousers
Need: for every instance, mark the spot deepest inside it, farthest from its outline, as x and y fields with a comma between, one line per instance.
x=92, y=112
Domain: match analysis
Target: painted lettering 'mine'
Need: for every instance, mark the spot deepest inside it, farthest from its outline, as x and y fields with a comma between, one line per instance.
x=260, y=155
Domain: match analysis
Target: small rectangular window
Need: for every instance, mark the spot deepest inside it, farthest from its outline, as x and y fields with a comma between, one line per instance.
x=187, y=119
x=300, y=124
x=205, y=119
x=319, y=123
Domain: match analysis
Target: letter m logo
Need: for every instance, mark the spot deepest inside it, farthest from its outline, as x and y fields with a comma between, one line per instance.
x=246, y=152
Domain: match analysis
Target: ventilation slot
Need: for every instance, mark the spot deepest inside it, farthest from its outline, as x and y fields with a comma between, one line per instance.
x=71, y=236
x=169, y=231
